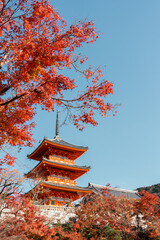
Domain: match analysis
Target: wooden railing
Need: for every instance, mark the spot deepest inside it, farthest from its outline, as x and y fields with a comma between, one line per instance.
x=61, y=160
x=56, y=208
x=61, y=181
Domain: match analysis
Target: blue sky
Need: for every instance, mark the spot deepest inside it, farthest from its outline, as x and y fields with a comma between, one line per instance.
x=123, y=150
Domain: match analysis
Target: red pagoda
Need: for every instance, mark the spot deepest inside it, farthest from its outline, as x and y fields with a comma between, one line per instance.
x=56, y=172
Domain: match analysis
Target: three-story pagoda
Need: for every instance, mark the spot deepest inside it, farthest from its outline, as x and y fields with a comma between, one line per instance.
x=56, y=172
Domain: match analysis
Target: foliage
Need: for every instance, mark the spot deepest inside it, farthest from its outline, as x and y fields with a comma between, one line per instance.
x=6, y=161
x=23, y=221
x=103, y=211
x=10, y=183
x=101, y=217
x=151, y=189
x=124, y=218
x=36, y=47
x=147, y=213
x=110, y=233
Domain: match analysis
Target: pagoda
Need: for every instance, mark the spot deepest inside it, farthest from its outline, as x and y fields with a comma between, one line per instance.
x=56, y=172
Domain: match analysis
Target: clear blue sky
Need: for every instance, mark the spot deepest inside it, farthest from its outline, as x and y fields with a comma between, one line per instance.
x=123, y=150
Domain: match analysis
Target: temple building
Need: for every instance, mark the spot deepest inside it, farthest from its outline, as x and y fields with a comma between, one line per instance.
x=56, y=172
x=113, y=191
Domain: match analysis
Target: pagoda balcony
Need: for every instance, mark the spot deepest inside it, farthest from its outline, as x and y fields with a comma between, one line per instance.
x=61, y=181
x=51, y=208
x=61, y=160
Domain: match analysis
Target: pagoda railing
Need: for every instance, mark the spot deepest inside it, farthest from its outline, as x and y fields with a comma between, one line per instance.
x=61, y=181
x=60, y=160
x=56, y=208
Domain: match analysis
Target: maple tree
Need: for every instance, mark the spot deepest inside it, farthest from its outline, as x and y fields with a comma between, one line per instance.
x=99, y=217
x=20, y=219
x=36, y=47
x=103, y=213
x=108, y=217
x=23, y=221
x=10, y=183
x=147, y=215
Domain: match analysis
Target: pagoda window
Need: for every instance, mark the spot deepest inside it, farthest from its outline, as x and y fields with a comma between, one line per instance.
x=52, y=203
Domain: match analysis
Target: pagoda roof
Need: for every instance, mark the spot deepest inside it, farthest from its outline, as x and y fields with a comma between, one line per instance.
x=59, y=141
x=56, y=190
x=77, y=171
x=66, y=187
x=60, y=147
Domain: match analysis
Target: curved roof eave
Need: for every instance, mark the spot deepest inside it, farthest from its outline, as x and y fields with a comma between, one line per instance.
x=58, y=143
x=60, y=187
x=76, y=167
x=66, y=144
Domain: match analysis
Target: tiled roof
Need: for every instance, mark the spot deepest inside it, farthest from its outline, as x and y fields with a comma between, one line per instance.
x=76, y=167
x=65, y=148
x=59, y=141
x=83, y=189
x=67, y=186
x=64, y=164
x=114, y=191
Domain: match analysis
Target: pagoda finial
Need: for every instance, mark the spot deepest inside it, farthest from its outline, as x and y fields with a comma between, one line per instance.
x=57, y=125
x=57, y=137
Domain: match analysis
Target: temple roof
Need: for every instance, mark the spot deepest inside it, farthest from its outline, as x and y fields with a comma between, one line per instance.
x=66, y=187
x=77, y=171
x=59, y=141
x=114, y=191
x=57, y=190
x=59, y=147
